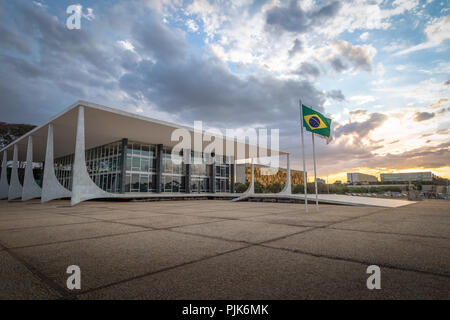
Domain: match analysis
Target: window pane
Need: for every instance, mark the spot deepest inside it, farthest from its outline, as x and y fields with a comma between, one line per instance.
x=152, y=151
x=145, y=150
x=128, y=164
x=145, y=163
x=176, y=184
x=136, y=149
x=151, y=183
x=168, y=184
x=135, y=182
x=144, y=183
x=136, y=164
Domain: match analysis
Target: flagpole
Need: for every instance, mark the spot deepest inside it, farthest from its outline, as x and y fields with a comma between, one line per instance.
x=303, y=153
x=315, y=174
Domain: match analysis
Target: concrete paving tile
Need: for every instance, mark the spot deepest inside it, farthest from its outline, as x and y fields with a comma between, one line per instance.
x=401, y=224
x=18, y=283
x=22, y=216
x=238, y=230
x=293, y=220
x=118, y=214
x=52, y=234
x=230, y=214
x=415, y=253
x=167, y=221
x=262, y=273
x=41, y=222
x=116, y=258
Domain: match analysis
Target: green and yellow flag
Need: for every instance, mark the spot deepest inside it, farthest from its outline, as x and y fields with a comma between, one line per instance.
x=316, y=122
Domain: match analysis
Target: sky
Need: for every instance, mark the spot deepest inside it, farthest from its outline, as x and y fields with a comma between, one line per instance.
x=380, y=69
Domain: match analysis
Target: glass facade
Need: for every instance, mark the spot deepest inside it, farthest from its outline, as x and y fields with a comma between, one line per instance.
x=173, y=173
x=222, y=175
x=140, y=168
x=63, y=171
x=200, y=173
x=104, y=165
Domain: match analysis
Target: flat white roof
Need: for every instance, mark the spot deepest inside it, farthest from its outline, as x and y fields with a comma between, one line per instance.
x=105, y=125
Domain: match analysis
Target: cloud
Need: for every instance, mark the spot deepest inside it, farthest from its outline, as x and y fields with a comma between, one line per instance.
x=159, y=72
x=359, y=56
x=294, y=19
x=192, y=25
x=422, y=116
x=336, y=95
x=437, y=31
x=362, y=99
x=309, y=70
x=296, y=48
x=358, y=112
x=338, y=64
x=439, y=103
x=364, y=36
x=363, y=128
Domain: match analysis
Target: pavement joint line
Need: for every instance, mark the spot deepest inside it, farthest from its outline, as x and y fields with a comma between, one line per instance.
x=236, y=241
x=163, y=270
x=363, y=262
x=81, y=239
x=147, y=229
x=392, y=233
x=46, y=226
x=118, y=221
x=36, y=273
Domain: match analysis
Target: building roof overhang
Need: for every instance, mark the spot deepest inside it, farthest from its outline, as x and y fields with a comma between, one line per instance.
x=104, y=125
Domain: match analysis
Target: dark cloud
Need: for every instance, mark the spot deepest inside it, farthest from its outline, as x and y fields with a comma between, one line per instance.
x=338, y=65
x=296, y=48
x=363, y=128
x=360, y=57
x=294, y=19
x=422, y=116
x=336, y=95
x=169, y=74
x=11, y=39
x=308, y=70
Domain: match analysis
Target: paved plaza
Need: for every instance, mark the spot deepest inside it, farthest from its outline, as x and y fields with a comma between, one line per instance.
x=216, y=249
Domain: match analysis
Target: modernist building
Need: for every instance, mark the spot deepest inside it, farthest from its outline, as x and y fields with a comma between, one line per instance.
x=356, y=177
x=266, y=176
x=407, y=176
x=90, y=151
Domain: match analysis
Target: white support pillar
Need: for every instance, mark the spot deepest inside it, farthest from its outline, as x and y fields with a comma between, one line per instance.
x=51, y=188
x=83, y=188
x=287, y=187
x=251, y=187
x=4, y=185
x=30, y=187
x=15, y=188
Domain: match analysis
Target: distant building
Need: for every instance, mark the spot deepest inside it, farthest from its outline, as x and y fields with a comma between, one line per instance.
x=267, y=176
x=320, y=180
x=407, y=176
x=356, y=177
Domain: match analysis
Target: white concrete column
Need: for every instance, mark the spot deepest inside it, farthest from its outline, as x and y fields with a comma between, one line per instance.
x=287, y=187
x=15, y=188
x=30, y=187
x=251, y=187
x=4, y=185
x=83, y=188
x=51, y=188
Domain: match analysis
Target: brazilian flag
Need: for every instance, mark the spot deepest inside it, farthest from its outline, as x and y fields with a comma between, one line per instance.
x=316, y=122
